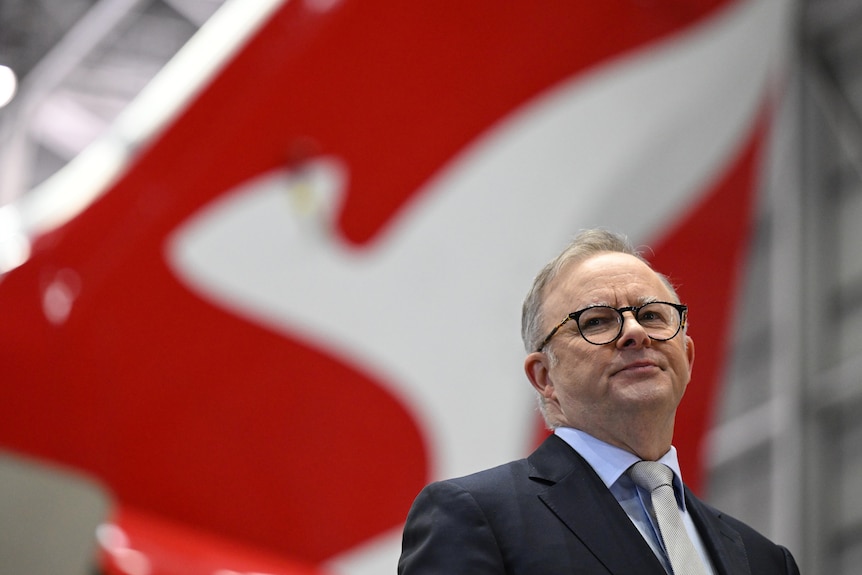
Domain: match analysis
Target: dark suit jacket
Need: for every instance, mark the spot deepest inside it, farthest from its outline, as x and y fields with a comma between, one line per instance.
x=551, y=513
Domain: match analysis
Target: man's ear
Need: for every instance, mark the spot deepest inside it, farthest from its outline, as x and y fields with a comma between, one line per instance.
x=689, y=352
x=537, y=368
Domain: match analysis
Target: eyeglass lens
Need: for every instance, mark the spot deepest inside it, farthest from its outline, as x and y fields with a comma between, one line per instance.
x=601, y=324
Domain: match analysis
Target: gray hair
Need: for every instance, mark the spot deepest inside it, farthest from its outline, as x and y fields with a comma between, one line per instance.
x=586, y=244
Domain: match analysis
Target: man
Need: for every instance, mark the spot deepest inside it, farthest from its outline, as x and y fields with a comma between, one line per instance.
x=609, y=358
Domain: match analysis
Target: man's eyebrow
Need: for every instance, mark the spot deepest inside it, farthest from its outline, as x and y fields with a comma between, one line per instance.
x=602, y=303
x=648, y=299
x=642, y=300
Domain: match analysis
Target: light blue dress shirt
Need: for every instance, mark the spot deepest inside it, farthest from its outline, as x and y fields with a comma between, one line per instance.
x=611, y=463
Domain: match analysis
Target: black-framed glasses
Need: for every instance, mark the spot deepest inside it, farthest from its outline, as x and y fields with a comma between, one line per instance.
x=601, y=324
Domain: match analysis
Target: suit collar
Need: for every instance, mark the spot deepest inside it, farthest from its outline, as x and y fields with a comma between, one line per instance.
x=577, y=496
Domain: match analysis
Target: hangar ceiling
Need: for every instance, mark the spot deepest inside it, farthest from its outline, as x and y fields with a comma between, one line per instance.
x=79, y=63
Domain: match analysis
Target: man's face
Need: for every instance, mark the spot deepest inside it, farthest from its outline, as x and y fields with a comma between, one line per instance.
x=601, y=389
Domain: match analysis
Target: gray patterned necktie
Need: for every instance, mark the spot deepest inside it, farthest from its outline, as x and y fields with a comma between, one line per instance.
x=657, y=479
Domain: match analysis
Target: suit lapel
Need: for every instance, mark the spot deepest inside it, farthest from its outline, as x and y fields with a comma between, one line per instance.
x=577, y=496
x=725, y=545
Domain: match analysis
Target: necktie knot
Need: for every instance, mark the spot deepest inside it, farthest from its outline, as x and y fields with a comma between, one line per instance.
x=651, y=475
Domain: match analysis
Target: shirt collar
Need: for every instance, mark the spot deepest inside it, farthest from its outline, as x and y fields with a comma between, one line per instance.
x=611, y=462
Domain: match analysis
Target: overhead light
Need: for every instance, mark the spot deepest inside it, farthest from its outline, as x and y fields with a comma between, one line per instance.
x=8, y=84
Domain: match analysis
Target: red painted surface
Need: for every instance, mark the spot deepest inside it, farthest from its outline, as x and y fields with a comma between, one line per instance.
x=199, y=417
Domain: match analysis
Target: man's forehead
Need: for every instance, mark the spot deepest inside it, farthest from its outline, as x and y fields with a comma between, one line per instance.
x=605, y=271
x=604, y=264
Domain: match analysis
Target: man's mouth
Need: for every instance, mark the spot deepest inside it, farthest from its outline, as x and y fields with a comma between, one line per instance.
x=637, y=366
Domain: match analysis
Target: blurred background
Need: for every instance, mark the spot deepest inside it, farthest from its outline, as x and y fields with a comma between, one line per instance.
x=261, y=262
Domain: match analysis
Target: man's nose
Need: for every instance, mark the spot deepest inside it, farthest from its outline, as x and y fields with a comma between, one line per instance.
x=633, y=333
